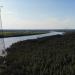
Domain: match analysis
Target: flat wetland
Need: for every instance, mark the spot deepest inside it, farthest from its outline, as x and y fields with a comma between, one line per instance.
x=52, y=55
x=16, y=33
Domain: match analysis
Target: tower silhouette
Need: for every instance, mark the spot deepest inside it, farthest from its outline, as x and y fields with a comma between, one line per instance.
x=2, y=43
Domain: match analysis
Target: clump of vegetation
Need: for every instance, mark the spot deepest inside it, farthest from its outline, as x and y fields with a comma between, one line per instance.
x=54, y=55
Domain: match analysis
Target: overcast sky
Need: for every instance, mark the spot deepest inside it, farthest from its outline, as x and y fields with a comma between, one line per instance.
x=38, y=14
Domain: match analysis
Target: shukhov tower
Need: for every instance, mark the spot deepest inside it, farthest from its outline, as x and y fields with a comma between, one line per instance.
x=2, y=44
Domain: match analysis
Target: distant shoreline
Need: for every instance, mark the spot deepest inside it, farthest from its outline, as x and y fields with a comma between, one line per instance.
x=17, y=34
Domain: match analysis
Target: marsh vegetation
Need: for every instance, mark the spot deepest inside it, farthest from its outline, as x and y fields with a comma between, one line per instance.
x=14, y=33
x=54, y=55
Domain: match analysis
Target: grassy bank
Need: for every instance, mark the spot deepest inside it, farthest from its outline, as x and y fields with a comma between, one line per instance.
x=54, y=55
x=15, y=34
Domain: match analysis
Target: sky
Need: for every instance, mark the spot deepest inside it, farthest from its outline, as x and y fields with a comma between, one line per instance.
x=38, y=14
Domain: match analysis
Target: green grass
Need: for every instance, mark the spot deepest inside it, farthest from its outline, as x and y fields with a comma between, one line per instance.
x=13, y=34
x=54, y=55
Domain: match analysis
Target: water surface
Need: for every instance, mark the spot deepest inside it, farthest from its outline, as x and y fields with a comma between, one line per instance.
x=7, y=42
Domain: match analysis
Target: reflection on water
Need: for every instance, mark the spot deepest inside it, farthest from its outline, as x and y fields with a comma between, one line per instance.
x=9, y=41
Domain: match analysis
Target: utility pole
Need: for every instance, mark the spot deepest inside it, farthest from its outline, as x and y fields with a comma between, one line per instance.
x=1, y=28
x=0, y=18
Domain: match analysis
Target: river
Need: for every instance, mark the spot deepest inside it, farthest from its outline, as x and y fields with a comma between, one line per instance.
x=7, y=42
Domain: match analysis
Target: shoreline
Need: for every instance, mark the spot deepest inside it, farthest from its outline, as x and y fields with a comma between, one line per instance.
x=20, y=35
